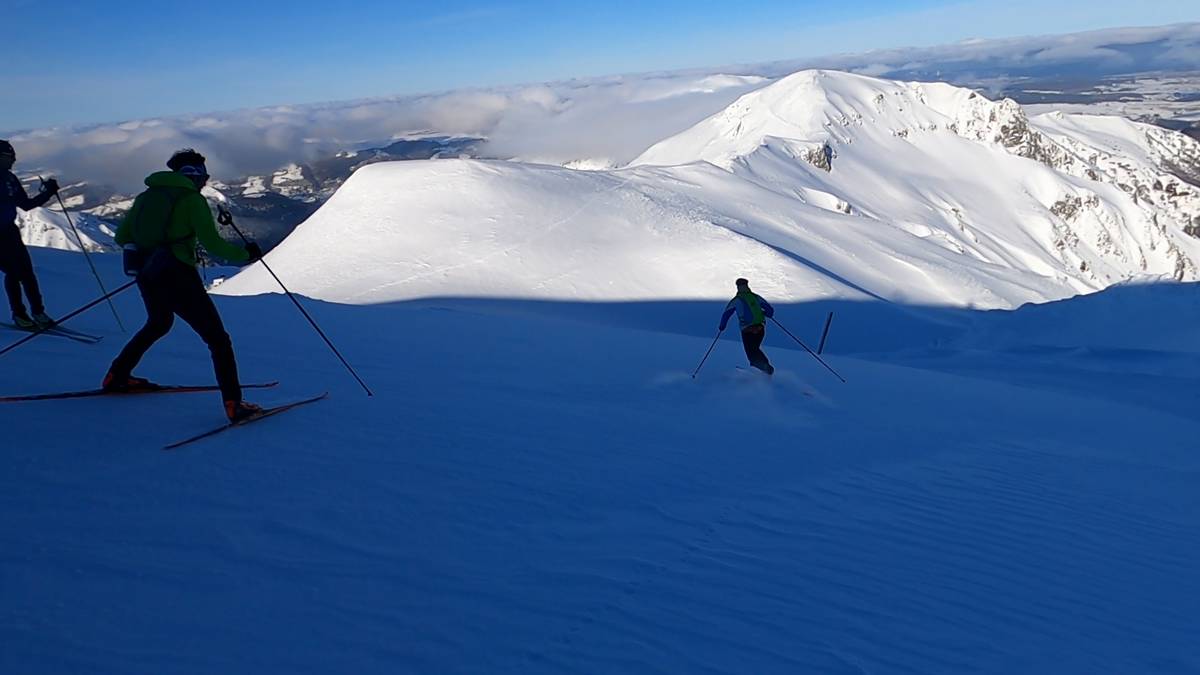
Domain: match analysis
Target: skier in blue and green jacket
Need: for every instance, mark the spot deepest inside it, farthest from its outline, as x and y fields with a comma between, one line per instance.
x=752, y=313
x=15, y=263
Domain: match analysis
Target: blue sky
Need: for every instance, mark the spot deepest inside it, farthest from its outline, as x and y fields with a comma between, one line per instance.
x=103, y=61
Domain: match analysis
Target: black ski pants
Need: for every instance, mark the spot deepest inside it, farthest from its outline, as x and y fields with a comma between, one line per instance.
x=178, y=291
x=752, y=338
x=18, y=272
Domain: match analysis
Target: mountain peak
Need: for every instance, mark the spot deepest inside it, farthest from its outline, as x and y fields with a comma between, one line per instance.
x=811, y=107
x=822, y=184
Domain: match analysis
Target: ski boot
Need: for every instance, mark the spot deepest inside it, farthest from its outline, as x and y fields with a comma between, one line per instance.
x=127, y=384
x=23, y=322
x=43, y=320
x=238, y=411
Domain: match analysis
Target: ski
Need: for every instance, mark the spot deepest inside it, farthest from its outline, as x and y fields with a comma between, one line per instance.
x=58, y=331
x=266, y=412
x=157, y=389
x=71, y=331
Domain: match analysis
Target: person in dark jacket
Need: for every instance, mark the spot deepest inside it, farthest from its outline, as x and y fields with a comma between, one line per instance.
x=15, y=262
x=752, y=312
x=161, y=230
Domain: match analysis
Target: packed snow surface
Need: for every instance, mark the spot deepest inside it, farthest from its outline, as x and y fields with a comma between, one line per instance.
x=541, y=487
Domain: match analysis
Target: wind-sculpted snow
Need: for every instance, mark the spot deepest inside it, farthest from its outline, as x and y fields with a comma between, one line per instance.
x=50, y=229
x=821, y=185
x=497, y=229
x=529, y=493
x=1083, y=199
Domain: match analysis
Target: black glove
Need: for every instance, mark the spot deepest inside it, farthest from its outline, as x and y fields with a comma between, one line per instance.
x=224, y=217
x=255, y=251
x=50, y=187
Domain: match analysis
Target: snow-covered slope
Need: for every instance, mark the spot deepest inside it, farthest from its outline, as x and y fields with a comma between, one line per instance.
x=820, y=185
x=543, y=496
x=1084, y=199
x=49, y=228
x=498, y=229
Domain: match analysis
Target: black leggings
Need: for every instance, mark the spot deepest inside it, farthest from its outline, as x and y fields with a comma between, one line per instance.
x=18, y=272
x=752, y=338
x=177, y=290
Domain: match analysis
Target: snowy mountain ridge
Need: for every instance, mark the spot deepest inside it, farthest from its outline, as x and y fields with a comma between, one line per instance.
x=49, y=228
x=822, y=184
x=814, y=115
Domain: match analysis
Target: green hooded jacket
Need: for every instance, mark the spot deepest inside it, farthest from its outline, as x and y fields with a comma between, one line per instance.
x=190, y=220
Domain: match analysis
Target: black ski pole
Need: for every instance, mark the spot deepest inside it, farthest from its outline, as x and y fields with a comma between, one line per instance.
x=81, y=310
x=226, y=218
x=814, y=354
x=88, y=257
x=825, y=334
x=710, y=348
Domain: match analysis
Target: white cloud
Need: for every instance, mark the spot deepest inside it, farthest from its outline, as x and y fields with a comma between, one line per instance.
x=614, y=119
x=597, y=121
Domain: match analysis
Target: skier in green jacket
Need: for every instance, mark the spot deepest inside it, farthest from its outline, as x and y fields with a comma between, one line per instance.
x=159, y=236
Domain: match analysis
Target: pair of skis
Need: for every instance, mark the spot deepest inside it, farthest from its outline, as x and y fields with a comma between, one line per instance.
x=176, y=389
x=261, y=414
x=58, y=331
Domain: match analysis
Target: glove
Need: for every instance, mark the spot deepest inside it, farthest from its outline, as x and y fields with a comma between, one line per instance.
x=224, y=217
x=50, y=187
x=255, y=252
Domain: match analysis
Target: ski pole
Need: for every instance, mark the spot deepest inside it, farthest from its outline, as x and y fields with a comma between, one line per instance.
x=814, y=354
x=710, y=348
x=226, y=218
x=88, y=257
x=81, y=310
x=825, y=334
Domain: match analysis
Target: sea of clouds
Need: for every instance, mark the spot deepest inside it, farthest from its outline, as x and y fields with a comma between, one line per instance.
x=594, y=122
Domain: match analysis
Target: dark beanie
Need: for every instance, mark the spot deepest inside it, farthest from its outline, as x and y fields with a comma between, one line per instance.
x=187, y=157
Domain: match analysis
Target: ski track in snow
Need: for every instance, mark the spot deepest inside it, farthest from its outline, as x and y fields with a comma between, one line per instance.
x=528, y=494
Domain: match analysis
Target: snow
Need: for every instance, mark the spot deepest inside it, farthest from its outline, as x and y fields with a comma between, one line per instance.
x=821, y=185
x=1140, y=97
x=1003, y=484
x=290, y=181
x=540, y=487
x=255, y=185
x=292, y=172
x=114, y=208
x=50, y=228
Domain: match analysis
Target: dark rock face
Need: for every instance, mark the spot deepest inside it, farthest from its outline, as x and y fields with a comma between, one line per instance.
x=821, y=157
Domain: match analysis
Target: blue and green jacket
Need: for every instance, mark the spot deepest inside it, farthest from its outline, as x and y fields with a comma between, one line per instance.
x=751, y=309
